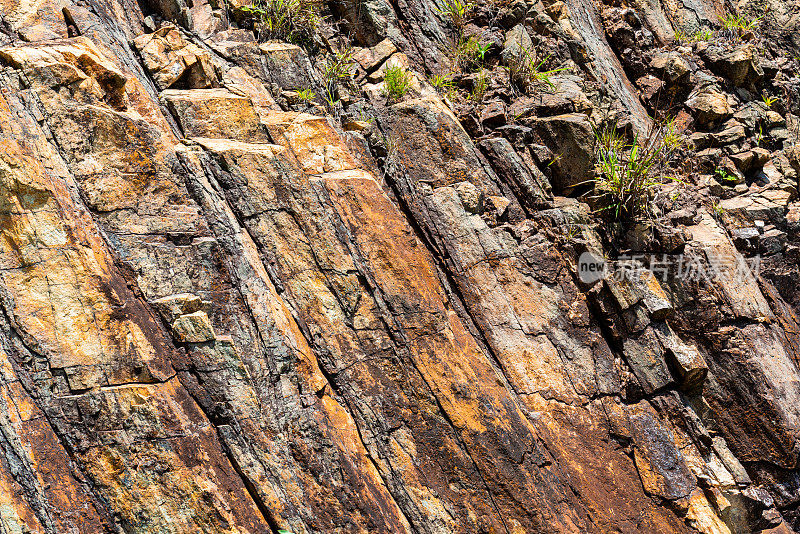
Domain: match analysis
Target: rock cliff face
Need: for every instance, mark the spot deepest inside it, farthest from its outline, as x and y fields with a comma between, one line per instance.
x=245, y=292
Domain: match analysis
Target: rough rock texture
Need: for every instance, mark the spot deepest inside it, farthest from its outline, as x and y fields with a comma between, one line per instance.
x=241, y=296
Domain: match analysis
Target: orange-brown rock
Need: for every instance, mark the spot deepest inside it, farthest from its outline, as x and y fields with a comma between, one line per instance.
x=223, y=312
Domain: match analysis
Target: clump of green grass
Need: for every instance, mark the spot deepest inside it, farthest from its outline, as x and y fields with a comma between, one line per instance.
x=340, y=64
x=481, y=86
x=700, y=35
x=737, y=26
x=630, y=172
x=703, y=35
x=337, y=67
x=724, y=175
x=306, y=95
x=527, y=72
x=396, y=82
x=458, y=11
x=469, y=53
x=760, y=135
x=718, y=212
x=768, y=100
x=444, y=84
x=288, y=20
x=670, y=137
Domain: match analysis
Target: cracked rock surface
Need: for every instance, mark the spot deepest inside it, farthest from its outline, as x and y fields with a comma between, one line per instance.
x=240, y=296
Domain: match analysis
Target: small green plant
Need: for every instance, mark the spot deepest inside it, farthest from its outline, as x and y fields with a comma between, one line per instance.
x=768, y=100
x=480, y=87
x=469, y=53
x=699, y=35
x=306, y=95
x=290, y=20
x=337, y=67
x=717, y=211
x=628, y=173
x=457, y=11
x=396, y=82
x=573, y=232
x=724, y=175
x=444, y=84
x=703, y=35
x=670, y=136
x=760, y=135
x=527, y=72
x=340, y=64
x=736, y=26
x=331, y=99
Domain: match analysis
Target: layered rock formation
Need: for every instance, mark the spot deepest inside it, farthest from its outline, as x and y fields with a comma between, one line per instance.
x=232, y=307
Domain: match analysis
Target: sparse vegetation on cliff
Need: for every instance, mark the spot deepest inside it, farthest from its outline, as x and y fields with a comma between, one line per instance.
x=295, y=21
x=736, y=27
x=528, y=72
x=630, y=172
x=397, y=82
x=457, y=11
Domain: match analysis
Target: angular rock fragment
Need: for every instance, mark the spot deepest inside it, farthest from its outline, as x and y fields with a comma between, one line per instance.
x=731, y=463
x=174, y=305
x=527, y=181
x=517, y=44
x=493, y=115
x=371, y=58
x=287, y=66
x=215, y=113
x=685, y=359
x=634, y=283
x=710, y=107
x=740, y=65
x=571, y=139
x=660, y=463
x=173, y=62
x=672, y=66
x=646, y=357
x=193, y=328
x=470, y=196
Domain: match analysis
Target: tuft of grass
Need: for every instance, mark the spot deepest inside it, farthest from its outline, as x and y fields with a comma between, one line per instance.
x=443, y=83
x=768, y=100
x=736, y=26
x=337, y=67
x=629, y=172
x=724, y=175
x=458, y=11
x=295, y=21
x=469, y=54
x=670, y=136
x=480, y=87
x=527, y=72
x=340, y=64
x=573, y=232
x=699, y=35
x=396, y=82
x=703, y=35
x=717, y=211
x=306, y=95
